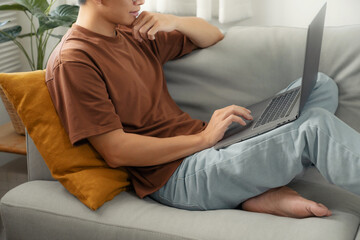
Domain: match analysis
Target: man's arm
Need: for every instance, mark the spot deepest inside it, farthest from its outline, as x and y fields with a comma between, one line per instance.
x=200, y=32
x=125, y=149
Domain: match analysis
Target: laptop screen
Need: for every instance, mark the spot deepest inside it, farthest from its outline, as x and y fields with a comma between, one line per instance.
x=312, y=55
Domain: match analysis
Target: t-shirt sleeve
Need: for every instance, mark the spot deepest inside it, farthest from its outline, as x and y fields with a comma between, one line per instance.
x=172, y=45
x=82, y=102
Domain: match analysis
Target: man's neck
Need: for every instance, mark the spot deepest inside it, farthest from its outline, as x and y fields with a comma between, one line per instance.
x=90, y=20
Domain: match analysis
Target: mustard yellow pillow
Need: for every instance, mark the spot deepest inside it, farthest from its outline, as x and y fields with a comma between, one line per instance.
x=80, y=169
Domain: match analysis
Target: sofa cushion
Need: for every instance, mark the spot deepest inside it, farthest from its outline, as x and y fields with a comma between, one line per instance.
x=80, y=169
x=253, y=63
x=45, y=205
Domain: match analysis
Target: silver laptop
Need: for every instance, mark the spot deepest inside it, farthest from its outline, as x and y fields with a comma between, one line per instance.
x=285, y=107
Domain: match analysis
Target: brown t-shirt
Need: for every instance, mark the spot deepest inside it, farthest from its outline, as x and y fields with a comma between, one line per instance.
x=99, y=84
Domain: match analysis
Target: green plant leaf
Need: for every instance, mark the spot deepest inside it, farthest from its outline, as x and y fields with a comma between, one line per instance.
x=8, y=34
x=64, y=15
x=13, y=7
x=36, y=7
x=26, y=35
x=57, y=36
x=3, y=23
x=66, y=10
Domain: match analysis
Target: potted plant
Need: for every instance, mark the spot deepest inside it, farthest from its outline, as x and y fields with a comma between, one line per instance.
x=40, y=32
x=63, y=15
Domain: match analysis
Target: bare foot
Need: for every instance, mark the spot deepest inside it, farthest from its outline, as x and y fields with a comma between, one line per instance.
x=285, y=202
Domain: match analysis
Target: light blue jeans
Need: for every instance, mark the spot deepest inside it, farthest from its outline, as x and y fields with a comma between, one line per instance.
x=222, y=179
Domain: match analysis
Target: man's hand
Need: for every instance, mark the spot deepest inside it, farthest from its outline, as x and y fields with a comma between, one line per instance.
x=220, y=121
x=148, y=24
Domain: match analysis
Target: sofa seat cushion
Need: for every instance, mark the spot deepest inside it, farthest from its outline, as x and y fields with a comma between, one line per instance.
x=46, y=205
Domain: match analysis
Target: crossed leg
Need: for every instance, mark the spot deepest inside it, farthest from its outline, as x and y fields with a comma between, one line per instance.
x=254, y=171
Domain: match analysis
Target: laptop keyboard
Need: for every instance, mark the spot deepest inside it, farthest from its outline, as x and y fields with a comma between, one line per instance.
x=278, y=108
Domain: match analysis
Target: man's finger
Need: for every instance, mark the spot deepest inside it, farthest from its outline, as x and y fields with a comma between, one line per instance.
x=138, y=25
x=145, y=28
x=237, y=110
x=233, y=118
x=152, y=32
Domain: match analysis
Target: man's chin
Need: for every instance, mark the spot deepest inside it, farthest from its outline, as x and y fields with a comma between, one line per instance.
x=130, y=24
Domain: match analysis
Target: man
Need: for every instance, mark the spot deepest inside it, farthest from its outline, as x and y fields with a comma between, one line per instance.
x=107, y=84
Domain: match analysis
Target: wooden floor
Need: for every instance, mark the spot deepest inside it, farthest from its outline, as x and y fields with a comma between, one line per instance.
x=10, y=141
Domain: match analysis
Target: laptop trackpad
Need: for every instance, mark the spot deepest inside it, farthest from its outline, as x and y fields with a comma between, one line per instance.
x=237, y=127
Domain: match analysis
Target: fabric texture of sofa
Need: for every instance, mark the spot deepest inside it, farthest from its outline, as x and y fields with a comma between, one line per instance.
x=249, y=65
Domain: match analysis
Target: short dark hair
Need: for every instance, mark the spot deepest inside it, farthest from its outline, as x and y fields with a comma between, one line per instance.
x=82, y=2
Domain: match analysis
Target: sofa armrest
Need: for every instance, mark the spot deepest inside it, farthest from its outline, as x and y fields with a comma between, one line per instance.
x=37, y=168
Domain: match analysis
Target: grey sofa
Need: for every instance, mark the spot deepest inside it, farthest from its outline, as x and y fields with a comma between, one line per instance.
x=250, y=64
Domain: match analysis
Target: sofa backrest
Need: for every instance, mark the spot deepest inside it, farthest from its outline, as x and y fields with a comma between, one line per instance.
x=36, y=166
x=248, y=65
x=251, y=64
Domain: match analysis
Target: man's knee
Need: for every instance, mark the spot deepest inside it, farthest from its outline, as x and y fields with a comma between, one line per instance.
x=328, y=85
x=328, y=90
x=319, y=117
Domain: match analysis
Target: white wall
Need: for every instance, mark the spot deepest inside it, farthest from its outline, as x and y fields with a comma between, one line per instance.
x=298, y=13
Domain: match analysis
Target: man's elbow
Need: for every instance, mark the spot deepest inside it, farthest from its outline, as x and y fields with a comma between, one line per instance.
x=220, y=36
x=114, y=162
x=216, y=37
x=107, y=145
